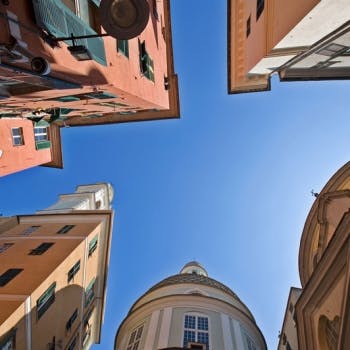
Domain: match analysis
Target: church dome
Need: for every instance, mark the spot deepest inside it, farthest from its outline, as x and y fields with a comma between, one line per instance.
x=187, y=309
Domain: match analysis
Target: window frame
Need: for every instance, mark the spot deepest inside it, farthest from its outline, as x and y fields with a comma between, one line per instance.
x=73, y=271
x=18, y=136
x=146, y=62
x=90, y=292
x=41, y=249
x=41, y=133
x=135, y=337
x=93, y=244
x=260, y=5
x=5, y=246
x=7, y=276
x=71, y=320
x=46, y=299
x=123, y=47
x=196, y=330
x=29, y=230
x=64, y=229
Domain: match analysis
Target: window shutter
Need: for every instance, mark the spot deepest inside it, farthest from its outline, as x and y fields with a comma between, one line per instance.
x=59, y=21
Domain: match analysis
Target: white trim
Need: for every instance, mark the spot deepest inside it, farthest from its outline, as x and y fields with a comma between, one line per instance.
x=238, y=335
x=227, y=336
x=27, y=306
x=165, y=328
x=152, y=329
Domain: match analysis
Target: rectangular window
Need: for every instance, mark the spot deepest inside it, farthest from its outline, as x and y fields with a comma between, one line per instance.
x=248, y=26
x=93, y=245
x=135, y=338
x=29, y=230
x=196, y=332
x=8, y=275
x=46, y=300
x=65, y=229
x=73, y=344
x=259, y=8
x=17, y=136
x=90, y=292
x=87, y=328
x=5, y=246
x=146, y=63
x=71, y=320
x=41, y=249
x=73, y=271
x=123, y=47
x=8, y=341
x=40, y=134
x=154, y=9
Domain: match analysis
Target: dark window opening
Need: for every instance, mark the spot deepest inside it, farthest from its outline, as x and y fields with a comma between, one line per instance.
x=248, y=26
x=29, y=230
x=71, y=320
x=65, y=229
x=41, y=249
x=259, y=8
x=123, y=47
x=46, y=300
x=5, y=246
x=8, y=275
x=146, y=63
x=93, y=245
x=73, y=271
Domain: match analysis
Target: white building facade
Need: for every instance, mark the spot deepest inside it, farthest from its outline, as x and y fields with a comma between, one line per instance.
x=189, y=311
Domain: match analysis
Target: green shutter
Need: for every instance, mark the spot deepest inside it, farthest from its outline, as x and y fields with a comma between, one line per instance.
x=42, y=145
x=59, y=21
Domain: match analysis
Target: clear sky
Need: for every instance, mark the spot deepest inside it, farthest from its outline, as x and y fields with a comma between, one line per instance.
x=228, y=184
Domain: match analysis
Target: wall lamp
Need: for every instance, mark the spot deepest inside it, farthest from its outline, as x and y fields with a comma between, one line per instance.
x=121, y=19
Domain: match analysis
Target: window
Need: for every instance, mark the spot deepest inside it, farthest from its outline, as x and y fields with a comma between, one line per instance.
x=288, y=347
x=123, y=47
x=17, y=136
x=41, y=249
x=154, y=9
x=73, y=344
x=87, y=328
x=135, y=338
x=71, y=320
x=29, y=230
x=93, y=245
x=40, y=134
x=196, y=330
x=90, y=292
x=65, y=229
x=46, y=300
x=9, y=340
x=146, y=63
x=248, y=26
x=249, y=341
x=332, y=50
x=5, y=246
x=259, y=8
x=9, y=275
x=73, y=271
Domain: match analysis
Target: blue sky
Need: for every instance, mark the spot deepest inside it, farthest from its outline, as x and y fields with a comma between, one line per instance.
x=228, y=184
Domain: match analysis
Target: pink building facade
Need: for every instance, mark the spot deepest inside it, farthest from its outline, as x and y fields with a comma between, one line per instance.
x=41, y=81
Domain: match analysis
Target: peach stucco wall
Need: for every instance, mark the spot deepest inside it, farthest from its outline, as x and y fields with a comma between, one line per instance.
x=16, y=158
x=40, y=271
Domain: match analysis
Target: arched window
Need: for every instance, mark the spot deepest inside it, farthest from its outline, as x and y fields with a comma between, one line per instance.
x=328, y=332
x=196, y=330
x=135, y=338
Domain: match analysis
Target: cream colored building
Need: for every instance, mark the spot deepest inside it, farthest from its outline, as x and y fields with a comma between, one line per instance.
x=189, y=311
x=53, y=270
x=322, y=307
x=299, y=40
